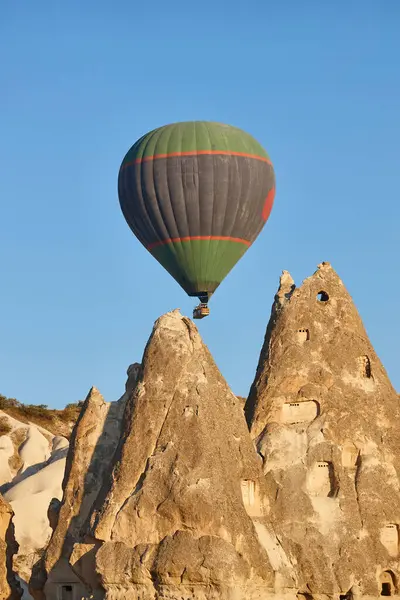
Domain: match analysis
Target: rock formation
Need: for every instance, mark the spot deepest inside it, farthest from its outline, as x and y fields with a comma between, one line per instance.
x=92, y=445
x=167, y=496
x=9, y=588
x=32, y=465
x=182, y=504
x=325, y=420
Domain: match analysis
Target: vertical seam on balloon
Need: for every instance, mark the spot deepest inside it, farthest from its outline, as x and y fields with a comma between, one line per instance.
x=248, y=161
x=134, y=220
x=227, y=206
x=141, y=182
x=222, y=255
x=258, y=216
x=200, y=254
x=236, y=159
x=175, y=251
x=184, y=259
x=247, y=192
x=206, y=281
x=214, y=246
x=186, y=255
x=123, y=183
x=191, y=243
x=245, y=202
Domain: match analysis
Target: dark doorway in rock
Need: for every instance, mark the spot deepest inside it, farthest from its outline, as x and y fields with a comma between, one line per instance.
x=322, y=296
x=67, y=592
x=348, y=596
x=387, y=584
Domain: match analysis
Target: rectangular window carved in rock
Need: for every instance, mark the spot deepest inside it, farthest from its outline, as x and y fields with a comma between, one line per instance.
x=248, y=492
x=389, y=537
x=303, y=335
x=298, y=412
x=321, y=480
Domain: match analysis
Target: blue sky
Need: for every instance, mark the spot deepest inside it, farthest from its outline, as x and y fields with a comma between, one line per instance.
x=317, y=83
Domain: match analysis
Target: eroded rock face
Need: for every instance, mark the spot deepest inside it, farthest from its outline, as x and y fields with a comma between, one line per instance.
x=181, y=509
x=92, y=445
x=175, y=496
x=325, y=420
x=9, y=588
x=32, y=464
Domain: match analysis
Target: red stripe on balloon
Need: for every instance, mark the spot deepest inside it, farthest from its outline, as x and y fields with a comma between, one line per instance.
x=269, y=200
x=138, y=161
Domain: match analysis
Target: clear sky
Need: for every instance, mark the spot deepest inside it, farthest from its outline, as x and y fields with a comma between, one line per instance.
x=317, y=83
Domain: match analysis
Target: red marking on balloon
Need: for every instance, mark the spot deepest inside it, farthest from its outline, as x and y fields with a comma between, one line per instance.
x=138, y=161
x=269, y=200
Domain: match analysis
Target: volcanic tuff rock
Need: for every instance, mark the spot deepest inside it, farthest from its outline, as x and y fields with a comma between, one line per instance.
x=9, y=588
x=181, y=510
x=32, y=463
x=325, y=418
x=92, y=445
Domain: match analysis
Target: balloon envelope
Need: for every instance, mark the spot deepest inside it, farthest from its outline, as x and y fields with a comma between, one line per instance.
x=196, y=195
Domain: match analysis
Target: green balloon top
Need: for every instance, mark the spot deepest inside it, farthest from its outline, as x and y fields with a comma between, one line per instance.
x=196, y=137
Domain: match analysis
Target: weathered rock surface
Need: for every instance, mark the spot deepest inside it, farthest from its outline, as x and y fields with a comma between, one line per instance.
x=182, y=505
x=9, y=588
x=92, y=445
x=23, y=449
x=325, y=420
x=32, y=465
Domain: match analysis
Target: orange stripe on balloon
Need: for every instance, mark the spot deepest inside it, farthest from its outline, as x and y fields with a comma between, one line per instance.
x=138, y=161
x=269, y=200
x=199, y=237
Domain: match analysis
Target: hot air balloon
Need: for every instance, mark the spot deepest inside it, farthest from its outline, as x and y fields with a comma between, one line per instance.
x=196, y=195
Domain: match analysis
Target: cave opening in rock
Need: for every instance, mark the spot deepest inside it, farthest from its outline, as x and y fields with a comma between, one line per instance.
x=387, y=584
x=322, y=296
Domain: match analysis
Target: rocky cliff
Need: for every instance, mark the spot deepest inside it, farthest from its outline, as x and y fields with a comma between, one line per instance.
x=9, y=588
x=325, y=420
